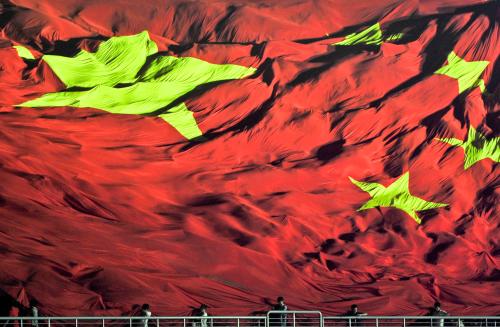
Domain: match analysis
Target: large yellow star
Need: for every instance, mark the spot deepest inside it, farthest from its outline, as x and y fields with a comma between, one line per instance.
x=468, y=73
x=477, y=147
x=126, y=75
x=396, y=195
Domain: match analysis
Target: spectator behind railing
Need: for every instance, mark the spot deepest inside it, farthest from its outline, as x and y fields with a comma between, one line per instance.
x=278, y=319
x=354, y=312
x=436, y=311
x=201, y=312
x=33, y=311
x=145, y=312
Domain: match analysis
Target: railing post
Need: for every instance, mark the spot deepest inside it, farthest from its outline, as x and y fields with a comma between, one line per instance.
x=76, y=322
x=404, y=322
x=103, y=323
x=130, y=321
x=294, y=319
x=350, y=323
x=157, y=322
x=376, y=322
x=184, y=322
x=237, y=322
x=48, y=322
x=21, y=322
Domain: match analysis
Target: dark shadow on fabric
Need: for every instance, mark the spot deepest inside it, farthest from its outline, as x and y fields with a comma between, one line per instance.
x=331, y=265
x=71, y=47
x=278, y=162
x=486, y=198
x=328, y=244
x=267, y=72
x=230, y=10
x=327, y=152
x=312, y=256
x=459, y=110
x=432, y=256
x=493, y=120
x=348, y=237
x=463, y=224
x=494, y=84
x=258, y=49
x=180, y=48
x=8, y=11
x=329, y=60
x=434, y=123
x=208, y=200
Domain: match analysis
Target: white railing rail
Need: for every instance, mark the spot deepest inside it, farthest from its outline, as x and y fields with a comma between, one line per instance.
x=294, y=318
x=156, y=321
x=412, y=321
x=271, y=319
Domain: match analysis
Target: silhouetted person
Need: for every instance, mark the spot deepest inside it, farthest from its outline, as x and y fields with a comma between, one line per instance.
x=354, y=312
x=145, y=312
x=436, y=311
x=278, y=319
x=201, y=312
x=33, y=311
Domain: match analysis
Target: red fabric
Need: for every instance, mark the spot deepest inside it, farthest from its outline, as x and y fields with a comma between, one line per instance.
x=14, y=312
x=101, y=211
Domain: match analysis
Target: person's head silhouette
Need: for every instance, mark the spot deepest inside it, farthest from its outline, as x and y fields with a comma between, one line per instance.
x=354, y=308
x=203, y=308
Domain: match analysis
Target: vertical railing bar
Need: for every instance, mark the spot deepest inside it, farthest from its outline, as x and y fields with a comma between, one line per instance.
x=48, y=322
x=184, y=322
x=103, y=323
x=130, y=322
x=293, y=320
x=76, y=322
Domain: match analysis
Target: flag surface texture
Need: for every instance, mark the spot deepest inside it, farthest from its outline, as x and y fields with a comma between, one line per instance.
x=228, y=152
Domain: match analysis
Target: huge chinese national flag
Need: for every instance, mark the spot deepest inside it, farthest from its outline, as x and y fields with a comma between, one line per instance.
x=228, y=152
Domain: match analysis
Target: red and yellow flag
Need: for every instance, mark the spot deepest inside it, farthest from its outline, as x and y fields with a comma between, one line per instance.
x=227, y=152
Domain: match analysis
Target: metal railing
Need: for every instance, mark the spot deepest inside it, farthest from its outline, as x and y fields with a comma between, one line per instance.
x=412, y=321
x=212, y=321
x=272, y=319
x=294, y=319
